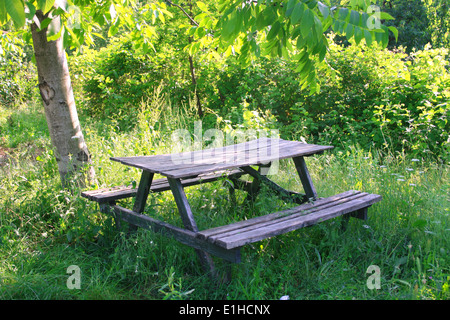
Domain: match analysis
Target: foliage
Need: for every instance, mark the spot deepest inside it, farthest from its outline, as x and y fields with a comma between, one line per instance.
x=412, y=22
x=438, y=12
x=290, y=29
x=16, y=71
x=43, y=230
x=378, y=99
x=294, y=30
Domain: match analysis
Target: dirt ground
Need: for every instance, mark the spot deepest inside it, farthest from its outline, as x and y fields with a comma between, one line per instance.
x=4, y=153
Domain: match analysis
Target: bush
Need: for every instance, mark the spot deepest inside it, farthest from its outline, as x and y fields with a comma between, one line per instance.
x=372, y=97
x=376, y=98
x=379, y=99
x=113, y=81
x=17, y=73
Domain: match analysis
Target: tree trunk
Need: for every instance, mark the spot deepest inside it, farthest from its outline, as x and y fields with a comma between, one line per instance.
x=55, y=87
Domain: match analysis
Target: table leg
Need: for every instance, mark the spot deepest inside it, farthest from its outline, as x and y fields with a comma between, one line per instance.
x=189, y=223
x=142, y=195
x=305, y=178
x=283, y=193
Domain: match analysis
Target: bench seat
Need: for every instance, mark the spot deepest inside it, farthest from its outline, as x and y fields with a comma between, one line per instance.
x=244, y=232
x=106, y=195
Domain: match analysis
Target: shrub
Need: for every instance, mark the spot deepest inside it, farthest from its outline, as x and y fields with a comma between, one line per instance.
x=379, y=98
x=16, y=71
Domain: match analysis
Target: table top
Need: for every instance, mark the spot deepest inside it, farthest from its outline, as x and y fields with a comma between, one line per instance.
x=194, y=163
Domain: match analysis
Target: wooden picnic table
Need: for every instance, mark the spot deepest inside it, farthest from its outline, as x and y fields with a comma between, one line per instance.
x=190, y=168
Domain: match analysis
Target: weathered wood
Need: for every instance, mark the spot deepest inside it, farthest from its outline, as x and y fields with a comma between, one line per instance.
x=305, y=177
x=360, y=214
x=183, y=204
x=158, y=185
x=189, y=222
x=283, y=193
x=110, y=194
x=252, y=230
x=211, y=160
x=184, y=236
x=143, y=191
x=212, y=154
x=320, y=203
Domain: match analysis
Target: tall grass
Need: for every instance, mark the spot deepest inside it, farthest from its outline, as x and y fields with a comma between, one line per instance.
x=44, y=229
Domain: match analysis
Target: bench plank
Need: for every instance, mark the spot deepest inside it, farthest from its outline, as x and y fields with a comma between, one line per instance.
x=256, y=229
x=184, y=236
x=158, y=185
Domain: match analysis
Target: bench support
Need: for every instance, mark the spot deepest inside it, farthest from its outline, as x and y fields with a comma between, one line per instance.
x=359, y=214
x=225, y=241
x=184, y=236
x=283, y=193
x=305, y=177
x=189, y=223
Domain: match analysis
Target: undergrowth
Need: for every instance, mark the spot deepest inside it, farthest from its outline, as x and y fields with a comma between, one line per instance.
x=45, y=229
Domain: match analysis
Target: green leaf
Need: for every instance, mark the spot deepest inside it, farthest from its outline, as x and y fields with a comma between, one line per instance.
x=260, y=21
x=44, y=24
x=385, y=36
x=297, y=14
x=45, y=5
x=358, y=35
x=54, y=29
x=307, y=23
x=202, y=6
x=275, y=28
x=368, y=37
x=394, y=31
x=338, y=26
x=3, y=15
x=324, y=10
x=31, y=11
x=290, y=7
x=354, y=17
x=322, y=52
x=16, y=10
x=229, y=27
x=318, y=25
x=301, y=42
x=386, y=16
x=349, y=30
x=343, y=14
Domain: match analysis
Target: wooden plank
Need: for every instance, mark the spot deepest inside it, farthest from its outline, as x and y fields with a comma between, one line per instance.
x=297, y=213
x=305, y=177
x=183, y=204
x=240, y=239
x=109, y=194
x=269, y=217
x=184, y=236
x=256, y=159
x=143, y=191
x=161, y=161
x=158, y=185
x=234, y=156
x=285, y=194
x=189, y=223
x=239, y=160
x=209, y=153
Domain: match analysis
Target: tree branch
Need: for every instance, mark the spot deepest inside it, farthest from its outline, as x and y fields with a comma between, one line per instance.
x=184, y=11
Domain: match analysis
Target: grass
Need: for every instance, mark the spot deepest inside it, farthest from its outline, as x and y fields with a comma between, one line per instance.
x=44, y=229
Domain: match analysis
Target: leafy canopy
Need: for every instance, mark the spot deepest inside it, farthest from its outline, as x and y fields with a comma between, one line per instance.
x=293, y=29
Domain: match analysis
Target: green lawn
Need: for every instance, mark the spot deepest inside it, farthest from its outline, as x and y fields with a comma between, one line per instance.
x=44, y=229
